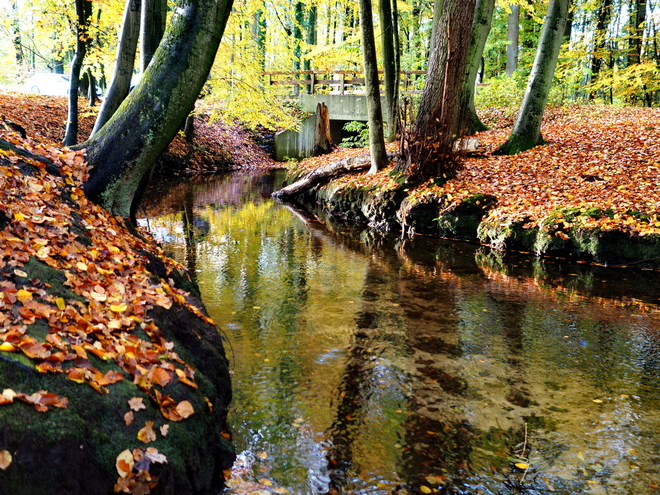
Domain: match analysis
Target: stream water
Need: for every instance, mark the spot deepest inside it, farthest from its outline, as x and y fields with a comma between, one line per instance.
x=368, y=364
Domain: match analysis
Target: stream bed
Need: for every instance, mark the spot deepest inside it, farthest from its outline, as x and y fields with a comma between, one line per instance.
x=371, y=364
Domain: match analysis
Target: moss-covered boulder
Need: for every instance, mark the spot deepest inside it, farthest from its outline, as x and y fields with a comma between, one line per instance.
x=112, y=376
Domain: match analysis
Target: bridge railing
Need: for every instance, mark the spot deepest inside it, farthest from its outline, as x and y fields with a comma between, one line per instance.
x=339, y=81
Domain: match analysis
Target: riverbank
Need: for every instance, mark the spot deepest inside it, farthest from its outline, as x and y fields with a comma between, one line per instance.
x=112, y=376
x=589, y=193
x=213, y=147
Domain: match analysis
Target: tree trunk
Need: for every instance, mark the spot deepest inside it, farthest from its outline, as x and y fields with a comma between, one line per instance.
x=310, y=39
x=483, y=16
x=91, y=90
x=569, y=21
x=298, y=19
x=374, y=111
x=513, y=35
x=636, y=28
x=121, y=79
x=430, y=148
x=16, y=34
x=602, y=22
x=390, y=72
x=526, y=131
x=123, y=153
x=83, y=13
x=322, y=139
x=153, y=17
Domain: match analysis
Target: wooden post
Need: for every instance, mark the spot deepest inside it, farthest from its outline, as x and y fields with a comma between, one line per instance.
x=342, y=79
x=312, y=81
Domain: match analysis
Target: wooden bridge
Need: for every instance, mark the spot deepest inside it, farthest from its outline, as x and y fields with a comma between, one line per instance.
x=339, y=82
x=343, y=92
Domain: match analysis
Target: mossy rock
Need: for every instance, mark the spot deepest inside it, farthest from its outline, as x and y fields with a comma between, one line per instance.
x=73, y=451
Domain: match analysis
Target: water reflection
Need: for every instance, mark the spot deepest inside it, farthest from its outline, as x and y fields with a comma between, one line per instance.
x=365, y=364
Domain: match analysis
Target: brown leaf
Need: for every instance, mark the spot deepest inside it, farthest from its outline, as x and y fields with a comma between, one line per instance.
x=136, y=403
x=147, y=433
x=129, y=417
x=185, y=409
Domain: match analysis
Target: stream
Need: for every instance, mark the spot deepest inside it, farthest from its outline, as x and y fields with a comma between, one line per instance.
x=370, y=364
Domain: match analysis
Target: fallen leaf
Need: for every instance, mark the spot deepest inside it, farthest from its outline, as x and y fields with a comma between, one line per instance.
x=161, y=376
x=129, y=417
x=136, y=403
x=124, y=463
x=164, y=430
x=5, y=459
x=23, y=295
x=147, y=433
x=7, y=347
x=522, y=465
x=185, y=409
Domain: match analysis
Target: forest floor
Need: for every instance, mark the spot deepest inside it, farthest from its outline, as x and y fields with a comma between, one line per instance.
x=599, y=163
x=602, y=163
x=215, y=147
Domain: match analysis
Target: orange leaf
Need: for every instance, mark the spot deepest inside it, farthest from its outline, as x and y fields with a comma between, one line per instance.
x=129, y=418
x=124, y=463
x=5, y=459
x=161, y=377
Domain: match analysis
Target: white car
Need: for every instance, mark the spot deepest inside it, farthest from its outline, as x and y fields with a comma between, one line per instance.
x=47, y=84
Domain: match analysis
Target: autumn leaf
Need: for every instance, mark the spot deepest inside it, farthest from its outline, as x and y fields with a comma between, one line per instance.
x=164, y=430
x=147, y=433
x=129, y=417
x=522, y=465
x=7, y=347
x=5, y=459
x=23, y=295
x=124, y=463
x=118, y=308
x=136, y=403
x=185, y=409
x=161, y=377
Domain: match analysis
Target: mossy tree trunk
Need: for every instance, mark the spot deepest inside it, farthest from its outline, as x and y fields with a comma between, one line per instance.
x=526, y=132
x=374, y=110
x=121, y=78
x=483, y=16
x=123, y=153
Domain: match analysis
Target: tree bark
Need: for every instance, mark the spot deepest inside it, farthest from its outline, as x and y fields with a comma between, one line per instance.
x=310, y=39
x=153, y=17
x=602, y=22
x=16, y=34
x=123, y=153
x=298, y=19
x=390, y=72
x=483, y=16
x=513, y=42
x=121, y=79
x=322, y=139
x=374, y=110
x=526, y=131
x=83, y=13
x=636, y=31
x=323, y=174
x=430, y=152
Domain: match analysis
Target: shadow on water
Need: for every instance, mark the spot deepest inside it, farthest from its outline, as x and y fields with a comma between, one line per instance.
x=365, y=363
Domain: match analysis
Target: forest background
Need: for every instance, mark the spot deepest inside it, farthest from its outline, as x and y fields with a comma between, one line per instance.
x=609, y=54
